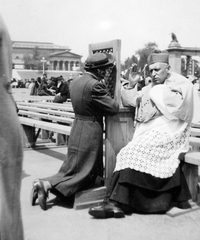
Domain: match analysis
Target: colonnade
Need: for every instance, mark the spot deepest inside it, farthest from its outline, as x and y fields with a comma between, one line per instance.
x=61, y=65
x=190, y=65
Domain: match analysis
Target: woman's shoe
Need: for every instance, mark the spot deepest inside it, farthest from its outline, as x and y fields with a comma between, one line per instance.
x=107, y=210
x=42, y=194
x=33, y=196
x=34, y=193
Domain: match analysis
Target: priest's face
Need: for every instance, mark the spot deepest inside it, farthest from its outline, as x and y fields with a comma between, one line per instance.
x=159, y=72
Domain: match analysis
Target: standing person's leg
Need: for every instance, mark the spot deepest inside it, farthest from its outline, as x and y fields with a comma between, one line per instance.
x=11, y=153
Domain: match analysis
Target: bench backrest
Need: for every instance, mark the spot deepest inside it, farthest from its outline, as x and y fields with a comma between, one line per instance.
x=47, y=111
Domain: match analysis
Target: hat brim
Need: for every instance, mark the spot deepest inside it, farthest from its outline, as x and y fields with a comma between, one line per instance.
x=109, y=62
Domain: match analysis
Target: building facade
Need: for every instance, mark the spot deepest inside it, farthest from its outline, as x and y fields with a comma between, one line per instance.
x=56, y=58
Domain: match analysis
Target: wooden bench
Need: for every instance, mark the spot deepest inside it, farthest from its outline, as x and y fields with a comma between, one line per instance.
x=192, y=163
x=34, y=98
x=37, y=116
x=191, y=171
x=23, y=95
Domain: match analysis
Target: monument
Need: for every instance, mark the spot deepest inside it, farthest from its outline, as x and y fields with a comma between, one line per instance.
x=176, y=51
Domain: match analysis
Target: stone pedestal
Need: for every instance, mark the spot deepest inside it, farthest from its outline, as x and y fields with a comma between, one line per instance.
x=175, y=56
x=175, y=62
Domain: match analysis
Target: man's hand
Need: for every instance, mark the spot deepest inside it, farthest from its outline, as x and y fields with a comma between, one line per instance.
x=133, y=79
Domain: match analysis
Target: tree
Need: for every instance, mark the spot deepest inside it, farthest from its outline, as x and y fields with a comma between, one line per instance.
x=33, y=61
x=144, y=53
x=28, y=61
x=128, y=62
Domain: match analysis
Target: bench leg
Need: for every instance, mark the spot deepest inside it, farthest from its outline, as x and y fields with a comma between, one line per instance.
x=29, y=136
x=44, y=134
x=191, y=175
x=61, y=139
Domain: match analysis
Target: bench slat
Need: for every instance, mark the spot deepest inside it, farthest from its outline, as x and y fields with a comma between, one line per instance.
x=47, y=111
x=64, y=107
x=46, y=116
x=195, y=132
x=193, y=158
x=46, y=125
x=196, y=124
x=194, y=141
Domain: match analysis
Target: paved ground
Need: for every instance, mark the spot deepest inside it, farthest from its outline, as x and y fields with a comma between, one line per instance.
x=63, y=222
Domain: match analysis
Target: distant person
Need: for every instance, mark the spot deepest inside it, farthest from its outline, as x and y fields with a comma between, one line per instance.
x=69, y=81
x=14, y=83
x=148, y=81
x=11, y=152
x=62, y=91
x=52, y=86
x=80, y=74
x=44, y=76
x=43, y=88
x=91, y=101
x=32, y=87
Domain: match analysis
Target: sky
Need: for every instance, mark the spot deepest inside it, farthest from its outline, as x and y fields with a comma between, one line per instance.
x=78, y=23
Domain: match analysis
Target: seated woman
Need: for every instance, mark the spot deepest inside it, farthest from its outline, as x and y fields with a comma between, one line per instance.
x=148, y=176
x=43, y=88
x=62, y=91
x=52, y=85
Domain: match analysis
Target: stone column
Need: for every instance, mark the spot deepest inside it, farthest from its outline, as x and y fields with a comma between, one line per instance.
x=66, y=65
x=175, y=61
x=57, y=66
x=54, y=65
x=51, y=65
x=189, y=65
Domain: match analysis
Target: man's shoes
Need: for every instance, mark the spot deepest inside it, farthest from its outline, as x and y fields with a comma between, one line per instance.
x=107, y=210
x=184, y=205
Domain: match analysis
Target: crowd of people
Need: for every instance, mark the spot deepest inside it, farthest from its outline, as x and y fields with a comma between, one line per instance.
x=43, y=86
x=57, y=87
